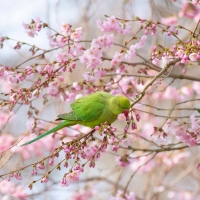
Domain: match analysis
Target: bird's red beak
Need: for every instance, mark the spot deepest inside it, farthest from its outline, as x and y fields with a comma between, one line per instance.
x=126, y=111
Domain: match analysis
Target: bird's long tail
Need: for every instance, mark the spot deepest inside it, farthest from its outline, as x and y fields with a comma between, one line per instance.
x=60, y=126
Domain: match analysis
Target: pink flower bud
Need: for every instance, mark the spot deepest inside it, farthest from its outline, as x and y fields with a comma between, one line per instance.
x=51, y=162
x=61, y=79
x=17, y=175
x=92, y=164
x=30, y=186
x=83, y=155
x=65, y=164
x=41, y=166
x=126, y=129
x=115, y=148
x=45, y=179
x=81, y=169
x=67, y=150
x=113, y=129
x=64, y=183
x=98, y=155
x=137, y=117
x=34, y=172
x=168, y=33
x=97, y=128
x=134, y=126
x=103, y=147
x=198, y=167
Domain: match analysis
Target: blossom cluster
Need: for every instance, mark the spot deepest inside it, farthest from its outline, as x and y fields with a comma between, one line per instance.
x=186, y=135
x=134, y=146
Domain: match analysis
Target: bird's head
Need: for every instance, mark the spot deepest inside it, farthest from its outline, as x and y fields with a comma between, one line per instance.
x=120, y=104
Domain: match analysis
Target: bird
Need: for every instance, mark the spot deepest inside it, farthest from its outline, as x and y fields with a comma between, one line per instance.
x=91, y=110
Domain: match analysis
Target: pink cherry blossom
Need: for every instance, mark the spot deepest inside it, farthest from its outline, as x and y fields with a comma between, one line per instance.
x=73, y=176
x=180, y=53
x=123, y=161
x=88, y=77
x=5, y=117
x=89, y=151
x=172, y=30
x=128, y=196
x=91, y=57
x=171, y=159
x=195, y=2
x=61, y=57
x=125, y=142
x=10, y=76
x=184, y=59
x=188, y=10
x=187, y=91
x=66, y=29
x=117, y=58
x=193, y=57
x=159, y=137
x=52, y=89
x=6, y=141
x=111, y=139
x=196, y=87
x=77, y=34
x=20, y=77
x=141, y=43
x=30, y=32
x=33, y=28
x=121, y=117
x=195, y=127
x=53, y=42
x=112, y=24
x=151, y=29
x=171, y=93
x=125, y=28
x=140, y=162
x=48, y=144
x=172, y=20
x=156, y=61
x=104, y=42
x=48, y=69
x=75, y=49
x=184, y=195
x=12, y=189
x=1, y=71
x=131, y=53
x=184, y=136
x=60, y=41
x=84, y=194
x=77, y=86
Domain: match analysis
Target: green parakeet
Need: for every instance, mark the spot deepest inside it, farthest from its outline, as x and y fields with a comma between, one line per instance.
x=91, y=111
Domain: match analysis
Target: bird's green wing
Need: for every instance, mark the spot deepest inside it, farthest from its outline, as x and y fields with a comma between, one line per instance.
x=68, y=116
x=90, y=107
